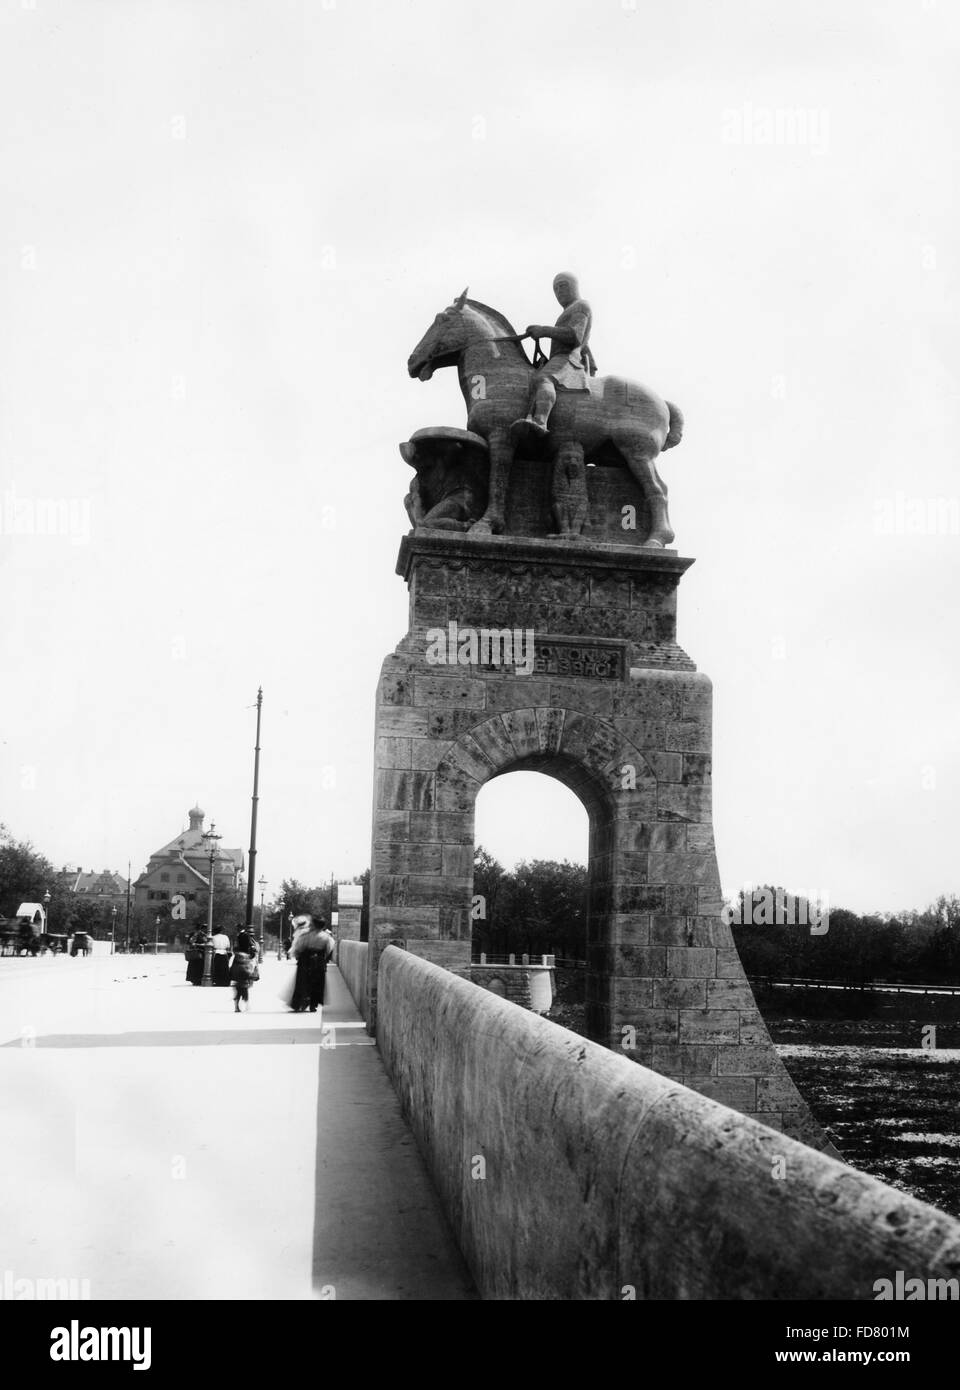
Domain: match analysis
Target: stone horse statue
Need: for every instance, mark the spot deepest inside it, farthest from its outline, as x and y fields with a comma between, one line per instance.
x=615, y=421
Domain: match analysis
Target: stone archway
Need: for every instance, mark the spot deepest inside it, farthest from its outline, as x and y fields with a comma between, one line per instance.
x=625, y=723
x=612, y=780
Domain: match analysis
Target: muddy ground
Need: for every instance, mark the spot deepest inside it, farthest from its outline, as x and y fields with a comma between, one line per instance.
x=860, y=1061
x=890, y=1101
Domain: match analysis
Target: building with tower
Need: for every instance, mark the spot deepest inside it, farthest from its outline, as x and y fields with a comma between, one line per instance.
x=182, y=866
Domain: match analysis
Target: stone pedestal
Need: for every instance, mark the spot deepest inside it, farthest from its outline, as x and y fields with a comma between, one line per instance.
x=615, y=710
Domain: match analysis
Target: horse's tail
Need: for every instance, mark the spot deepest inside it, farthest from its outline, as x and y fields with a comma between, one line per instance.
x=675, y=432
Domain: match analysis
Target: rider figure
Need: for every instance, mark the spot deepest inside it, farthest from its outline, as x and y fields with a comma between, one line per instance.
x=570, y=356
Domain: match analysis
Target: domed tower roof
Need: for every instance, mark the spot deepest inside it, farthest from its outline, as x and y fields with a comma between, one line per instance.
x=196, y=818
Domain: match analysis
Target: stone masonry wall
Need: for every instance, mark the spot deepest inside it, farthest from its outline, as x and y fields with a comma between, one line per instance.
x=600, y=1176
x=514, y=982
x=632, y=737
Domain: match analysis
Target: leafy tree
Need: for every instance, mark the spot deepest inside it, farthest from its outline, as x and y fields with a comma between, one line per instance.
x=908, y=946
x=86, y=914
x=299, y=899
x=488, y=878
x=539, y=907
x=552, y=903
x=25, y=875
x=229, y=908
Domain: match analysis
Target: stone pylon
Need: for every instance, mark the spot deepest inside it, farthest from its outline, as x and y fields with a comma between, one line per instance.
x=612, y=707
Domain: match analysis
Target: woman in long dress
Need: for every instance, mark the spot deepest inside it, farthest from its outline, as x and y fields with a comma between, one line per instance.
x=195, y=956
x=221, y=958
x=311, y=949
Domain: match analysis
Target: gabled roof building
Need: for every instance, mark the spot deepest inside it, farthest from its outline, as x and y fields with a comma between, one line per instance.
x=183, y=866
x=106, y=884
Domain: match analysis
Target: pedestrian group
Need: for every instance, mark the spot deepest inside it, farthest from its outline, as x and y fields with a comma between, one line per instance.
x=311, y=947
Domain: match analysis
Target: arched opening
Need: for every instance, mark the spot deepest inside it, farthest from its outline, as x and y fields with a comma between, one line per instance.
x=425, y=839
x=532, y=891
x=527, y=816
x=532, y=845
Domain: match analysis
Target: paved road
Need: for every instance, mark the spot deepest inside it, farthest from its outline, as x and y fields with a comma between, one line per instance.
x=159, y=1145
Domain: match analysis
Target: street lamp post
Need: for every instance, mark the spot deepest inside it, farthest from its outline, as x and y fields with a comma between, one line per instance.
x=262, y=885
x=211, y=838
x=113, y=929
x=280, y=907
x=46, y=918
x=156, y=943
x=248, y=916
x=127, y=945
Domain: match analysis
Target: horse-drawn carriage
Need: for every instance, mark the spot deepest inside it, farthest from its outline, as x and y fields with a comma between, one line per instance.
x=9, y=938
x=24, y=938
x=19, y=938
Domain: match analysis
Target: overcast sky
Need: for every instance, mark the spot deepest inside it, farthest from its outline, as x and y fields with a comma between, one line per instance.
x=225, y=227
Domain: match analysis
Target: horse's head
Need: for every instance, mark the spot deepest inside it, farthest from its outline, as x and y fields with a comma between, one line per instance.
x=442, y=343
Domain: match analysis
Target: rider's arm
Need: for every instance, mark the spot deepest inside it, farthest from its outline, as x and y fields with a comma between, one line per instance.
x=569, y=335
x=563, y=337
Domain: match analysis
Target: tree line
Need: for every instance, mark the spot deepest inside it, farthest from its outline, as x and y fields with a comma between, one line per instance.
x=910, y=946
x=540, y=906
x=299, y=900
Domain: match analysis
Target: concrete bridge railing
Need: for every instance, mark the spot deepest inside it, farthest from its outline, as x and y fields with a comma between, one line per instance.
x=568, y=1172
x=352, y=960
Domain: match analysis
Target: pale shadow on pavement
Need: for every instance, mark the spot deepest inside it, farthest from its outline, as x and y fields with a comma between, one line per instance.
x=379, y=1229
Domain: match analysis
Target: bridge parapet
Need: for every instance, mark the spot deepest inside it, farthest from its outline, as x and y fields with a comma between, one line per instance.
x=352, y=962
x=568, y=1172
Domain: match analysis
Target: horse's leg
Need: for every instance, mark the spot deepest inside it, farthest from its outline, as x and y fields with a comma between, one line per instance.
x=641, y=461
x=501, y=456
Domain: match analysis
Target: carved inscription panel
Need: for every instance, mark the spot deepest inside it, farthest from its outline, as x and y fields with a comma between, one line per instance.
x=568, y=656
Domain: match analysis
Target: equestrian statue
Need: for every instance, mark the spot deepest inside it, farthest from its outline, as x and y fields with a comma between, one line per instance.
x=555, y=407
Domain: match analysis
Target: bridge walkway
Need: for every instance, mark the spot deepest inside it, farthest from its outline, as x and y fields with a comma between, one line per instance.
x=159, y=1145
